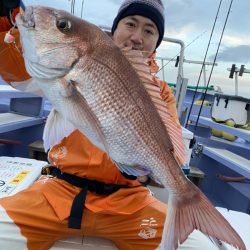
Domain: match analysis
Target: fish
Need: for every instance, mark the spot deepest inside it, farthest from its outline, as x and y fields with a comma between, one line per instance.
x=107, y=92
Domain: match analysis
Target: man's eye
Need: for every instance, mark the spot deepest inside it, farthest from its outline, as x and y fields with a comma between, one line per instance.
x=149, y=32
x=129, y=24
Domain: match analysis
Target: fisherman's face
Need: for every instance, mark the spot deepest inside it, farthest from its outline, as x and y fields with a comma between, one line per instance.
x=137, y=31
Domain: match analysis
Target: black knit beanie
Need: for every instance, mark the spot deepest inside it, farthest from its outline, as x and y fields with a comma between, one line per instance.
x=152, y=9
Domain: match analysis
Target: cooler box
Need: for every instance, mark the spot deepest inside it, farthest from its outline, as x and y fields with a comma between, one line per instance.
x=227, y=107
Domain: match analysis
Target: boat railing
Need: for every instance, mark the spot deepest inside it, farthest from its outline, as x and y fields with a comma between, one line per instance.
x=230, y=158
x=24, y=109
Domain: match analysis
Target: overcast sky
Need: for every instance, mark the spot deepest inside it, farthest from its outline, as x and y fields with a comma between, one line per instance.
x=192, y=22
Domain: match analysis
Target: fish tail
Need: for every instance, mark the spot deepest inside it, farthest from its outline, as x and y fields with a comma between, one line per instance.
x=184, y=215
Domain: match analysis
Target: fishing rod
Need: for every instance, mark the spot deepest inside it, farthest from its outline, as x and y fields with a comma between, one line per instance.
x=72, y=6
x=229, y=9
x=203, y=64
x=82, y=8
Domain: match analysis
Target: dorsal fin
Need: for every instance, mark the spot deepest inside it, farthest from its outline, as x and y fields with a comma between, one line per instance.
x=139, y=63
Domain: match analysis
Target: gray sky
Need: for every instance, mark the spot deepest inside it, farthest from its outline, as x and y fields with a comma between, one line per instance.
x=192, y=22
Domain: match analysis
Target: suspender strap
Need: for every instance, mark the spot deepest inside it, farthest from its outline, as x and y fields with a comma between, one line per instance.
x=77, y=208
x=76, y=213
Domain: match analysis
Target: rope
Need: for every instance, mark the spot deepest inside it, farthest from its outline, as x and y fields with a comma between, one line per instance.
x=82, y=8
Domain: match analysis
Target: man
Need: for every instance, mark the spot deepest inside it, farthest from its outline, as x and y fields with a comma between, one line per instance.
x=116, y=206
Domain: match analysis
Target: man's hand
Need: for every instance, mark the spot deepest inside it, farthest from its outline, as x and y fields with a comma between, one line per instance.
x=145, y=180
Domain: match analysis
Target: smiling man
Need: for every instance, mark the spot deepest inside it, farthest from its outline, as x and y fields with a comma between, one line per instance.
x=138, y=32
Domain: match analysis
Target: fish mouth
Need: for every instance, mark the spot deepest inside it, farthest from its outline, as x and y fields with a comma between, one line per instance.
x=27, y=19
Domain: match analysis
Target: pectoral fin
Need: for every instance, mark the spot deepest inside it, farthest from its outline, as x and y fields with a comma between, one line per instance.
x=92, y=119
x=56, y=128
x=29, y=86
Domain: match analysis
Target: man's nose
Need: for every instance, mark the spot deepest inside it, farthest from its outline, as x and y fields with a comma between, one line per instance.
x=137, y=37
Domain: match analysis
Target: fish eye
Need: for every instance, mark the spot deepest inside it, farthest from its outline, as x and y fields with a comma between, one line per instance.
x=63, y=24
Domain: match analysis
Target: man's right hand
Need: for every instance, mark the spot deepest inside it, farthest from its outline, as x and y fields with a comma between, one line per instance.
x=12, y=67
